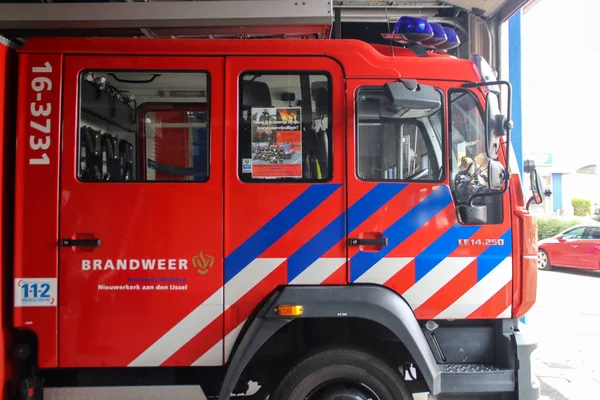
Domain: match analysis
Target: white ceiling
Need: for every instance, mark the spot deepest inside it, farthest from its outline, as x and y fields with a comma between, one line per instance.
x=489, y=6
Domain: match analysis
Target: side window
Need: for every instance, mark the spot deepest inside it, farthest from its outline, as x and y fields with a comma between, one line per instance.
x=592, y=233
x=467, y=131
x=284, y=127
x=143, y=126
x=395, y=145
x=576, y=233
x=468, y=158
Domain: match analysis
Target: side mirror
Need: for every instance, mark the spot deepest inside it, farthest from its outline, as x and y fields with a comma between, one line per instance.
x=496, y=175
x=537, y=188
x=495, y=125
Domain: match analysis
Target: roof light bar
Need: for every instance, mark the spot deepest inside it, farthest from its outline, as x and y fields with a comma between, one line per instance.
x=413, y=30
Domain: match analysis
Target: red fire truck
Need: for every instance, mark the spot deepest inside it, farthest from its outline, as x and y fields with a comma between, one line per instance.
x=165, y=244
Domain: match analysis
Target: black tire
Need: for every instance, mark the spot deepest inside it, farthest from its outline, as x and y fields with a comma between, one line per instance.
x=360, y=373
x=543, y=266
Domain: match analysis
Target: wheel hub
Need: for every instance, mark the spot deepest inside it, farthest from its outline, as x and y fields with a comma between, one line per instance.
x=343, y=392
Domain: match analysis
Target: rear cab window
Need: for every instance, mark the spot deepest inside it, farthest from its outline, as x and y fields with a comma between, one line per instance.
x=284, y=128
x=143, y=126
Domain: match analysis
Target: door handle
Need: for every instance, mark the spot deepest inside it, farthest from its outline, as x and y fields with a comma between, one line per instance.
x=80, y=242
x=574, y=246
x=383, y=241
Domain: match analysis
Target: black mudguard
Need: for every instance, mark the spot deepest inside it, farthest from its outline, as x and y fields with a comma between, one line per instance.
x=371, y=302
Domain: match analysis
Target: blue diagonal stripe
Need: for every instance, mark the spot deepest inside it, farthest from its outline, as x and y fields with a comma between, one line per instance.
x=335, y=231
x=493, y=256
x=372, y=201
x=402, y=229
x=441, y=248
x=316, y=247
x=269, y=233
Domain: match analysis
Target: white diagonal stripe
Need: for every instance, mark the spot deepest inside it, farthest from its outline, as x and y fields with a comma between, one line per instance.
x=231, y=338
x=506, y=313
x=436, y=279
x=213, y=357
x=384, y=269
x=318, y=271
x=206, y=312
x=182, y=333
x=249, y=277
x=481, y=292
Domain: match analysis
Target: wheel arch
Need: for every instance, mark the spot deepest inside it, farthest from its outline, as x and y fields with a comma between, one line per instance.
x=369, y=302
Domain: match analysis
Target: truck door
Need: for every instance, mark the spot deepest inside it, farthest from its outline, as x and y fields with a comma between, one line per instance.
x=284, y=179
x=141, y=212
x=403, y=230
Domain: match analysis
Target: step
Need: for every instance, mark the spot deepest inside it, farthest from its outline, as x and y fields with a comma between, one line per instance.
x=476, y=378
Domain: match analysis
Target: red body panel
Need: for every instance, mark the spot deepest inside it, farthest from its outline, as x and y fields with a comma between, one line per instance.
x=37, y=201
x=359, y=59
x=172, y=221
x=425, y=213
x=258, y=235
x=7, y=118
x=249, y=206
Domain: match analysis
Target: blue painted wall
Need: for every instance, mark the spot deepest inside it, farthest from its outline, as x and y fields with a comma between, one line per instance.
x=514, y=70
x=557, y=196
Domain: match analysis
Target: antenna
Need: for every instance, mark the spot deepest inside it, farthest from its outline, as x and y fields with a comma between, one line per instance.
x=387, y=22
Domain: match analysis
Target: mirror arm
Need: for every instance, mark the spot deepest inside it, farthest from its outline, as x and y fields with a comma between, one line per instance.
x=529, y=202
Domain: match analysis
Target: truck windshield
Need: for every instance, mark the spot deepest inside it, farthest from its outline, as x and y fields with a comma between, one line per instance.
x=404, y=148
x=467, y=132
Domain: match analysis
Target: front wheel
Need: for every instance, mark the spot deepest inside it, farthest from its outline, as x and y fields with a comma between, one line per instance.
x=342, y=374
x=543, y=261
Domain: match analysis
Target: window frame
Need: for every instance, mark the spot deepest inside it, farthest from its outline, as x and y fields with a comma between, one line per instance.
x=410, y=121
x=137, y=136
x=247, y=178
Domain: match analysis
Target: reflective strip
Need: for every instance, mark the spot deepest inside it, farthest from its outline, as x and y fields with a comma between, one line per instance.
x=436, y=279
x=249, y=277
x=506, y=313
x=318, y=271
x=231, y=338
x=384, y=270
x=481, y=292
x=182, y=333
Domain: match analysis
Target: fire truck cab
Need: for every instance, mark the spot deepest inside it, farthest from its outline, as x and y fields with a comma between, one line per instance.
x=329, y=219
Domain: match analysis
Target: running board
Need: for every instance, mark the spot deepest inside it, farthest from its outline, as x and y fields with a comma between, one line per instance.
x=125, y=393
x=476, y=378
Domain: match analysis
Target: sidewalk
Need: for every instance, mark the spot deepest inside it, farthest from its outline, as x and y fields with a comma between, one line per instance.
x=570, y=383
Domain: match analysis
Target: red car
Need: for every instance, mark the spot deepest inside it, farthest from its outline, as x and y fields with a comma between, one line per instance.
x=576, y=247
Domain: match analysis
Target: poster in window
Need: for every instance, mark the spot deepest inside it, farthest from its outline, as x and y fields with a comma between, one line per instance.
x=276, y=142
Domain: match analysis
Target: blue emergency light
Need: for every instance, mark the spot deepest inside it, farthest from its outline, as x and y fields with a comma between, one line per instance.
x=420, y=31
x=439, y=36
x=452, y=42
x=413, y=29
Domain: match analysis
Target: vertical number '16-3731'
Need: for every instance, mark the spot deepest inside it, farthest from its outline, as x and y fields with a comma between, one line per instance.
x=40, y=114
